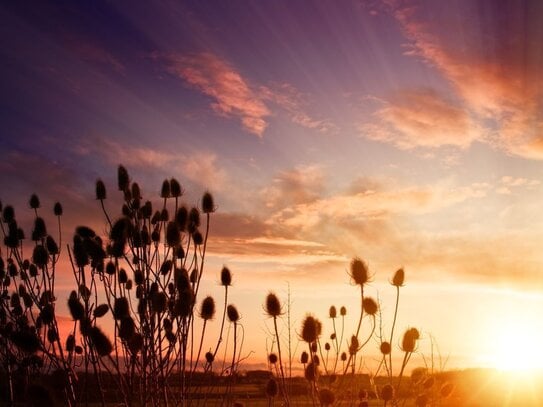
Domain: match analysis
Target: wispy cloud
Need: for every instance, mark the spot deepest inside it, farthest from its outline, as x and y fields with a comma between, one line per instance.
x=421, y=118
x=234, y=95
x=499, y=81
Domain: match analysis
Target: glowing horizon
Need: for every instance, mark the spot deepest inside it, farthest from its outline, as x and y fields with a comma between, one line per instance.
x=406, y=133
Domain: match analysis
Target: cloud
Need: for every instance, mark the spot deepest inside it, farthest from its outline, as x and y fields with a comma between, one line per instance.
x=232, y=94
x=498, y=79
x=200, y=167
x=421, y=118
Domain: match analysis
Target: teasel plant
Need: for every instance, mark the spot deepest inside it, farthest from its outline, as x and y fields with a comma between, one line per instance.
x=148, y=272
x=30, y=342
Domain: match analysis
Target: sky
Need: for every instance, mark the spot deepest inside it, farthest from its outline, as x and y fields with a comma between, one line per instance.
x=408, y=133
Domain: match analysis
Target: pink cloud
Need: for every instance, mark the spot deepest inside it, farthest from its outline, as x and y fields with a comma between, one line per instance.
x=421, y=118
x=499, y=81
x=232, y=94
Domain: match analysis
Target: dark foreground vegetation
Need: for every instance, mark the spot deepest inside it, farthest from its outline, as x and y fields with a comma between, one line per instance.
x=143, y=277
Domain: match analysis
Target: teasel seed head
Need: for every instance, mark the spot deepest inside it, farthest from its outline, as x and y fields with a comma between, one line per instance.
x=123, y=277
x=304, y=358
x=121, y=308
x=354, y=346
x=127, y=328
x=135, y=343
x=232, y=312
x=34, y=201
x=40, y=230
x=387, y=392
x=226, y=277
x=193, y=220
x=271, y=388
x=208, y=205
x=181, y=218
x=343, y=311
x=370, y=306
x=310, y=329
x=273, y=306
x=314, y=348
x=272, y=358
x=332, y=312
x=100, y=310
x=159, y=301
x=70, y=343
x=57, y=209
x=40, y=257
x=8, y=214
x=359, y=271
x=123, y=180
x=207, y=309
x=326, y=346
x=51, y=245
x=100, y=190
x=164, y=215
x=173, y=237
x=100, y=341
x=399, y=277
x=409, y=341
x=197, y=238
x=76, y=308
x=311, y=372
x=193, y=276
x=385, y=348
x=165, y=191
x=343, y=356
x=209, y=357
x=327, y=397
x=175, y=188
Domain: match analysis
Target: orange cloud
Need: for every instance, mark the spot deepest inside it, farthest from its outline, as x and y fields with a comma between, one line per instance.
x=499, y=81
x=232, y=94
x=421, y=118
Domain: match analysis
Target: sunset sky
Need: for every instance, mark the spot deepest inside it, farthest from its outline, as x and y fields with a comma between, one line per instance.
x=409, y=133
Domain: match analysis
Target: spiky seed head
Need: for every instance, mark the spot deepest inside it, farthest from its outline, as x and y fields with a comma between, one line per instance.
x=135, y=343
x=8, y=214
x=232, y=312
x=52, y=334
x=51, y=245
x=343, y=311
x=273, y=306
x=272, y=358
x=57, y=209
x=332, y=336
x=359, y=271
x=310, y=329
x=370, y=306
x=304, y=357
x=164, y=215
x=40, y=257
x=159, y=301
x=343, y=356
x=271, y=388
x=409, y=341
x=207, y=310
x=385, y=348
x=175, y=188
x=184, y=303
x=326, y=346
x=311, y=372
x=70, y=343
x=181, y=218
x=34, y=201
x=173, y=237
x=100, y=190
x=110, y=268
x=387, y=392
x=197, y=238
x=399, y=277
x=226, y=277
x=76, y=308
x=100, y=341
x=121, y=308
x=47, y=314
x=209, y=357
x=354, y=346
x=127, y=328
x=314, y=347
x=123, y=180
x=194, y=220
x=165, y=191
x=100, y=310
x=327, y=397
x=136, y=191
x=40, y=230
x=123, y=277
x=208, y=205
x=166, y=267
x=332, y=312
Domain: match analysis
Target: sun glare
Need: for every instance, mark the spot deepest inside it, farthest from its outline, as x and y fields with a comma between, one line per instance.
x=516, y=346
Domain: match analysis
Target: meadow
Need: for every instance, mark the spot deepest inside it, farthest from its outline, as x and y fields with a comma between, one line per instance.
x=137, y=324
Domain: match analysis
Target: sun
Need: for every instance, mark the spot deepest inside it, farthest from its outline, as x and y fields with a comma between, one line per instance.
x=516, y=345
